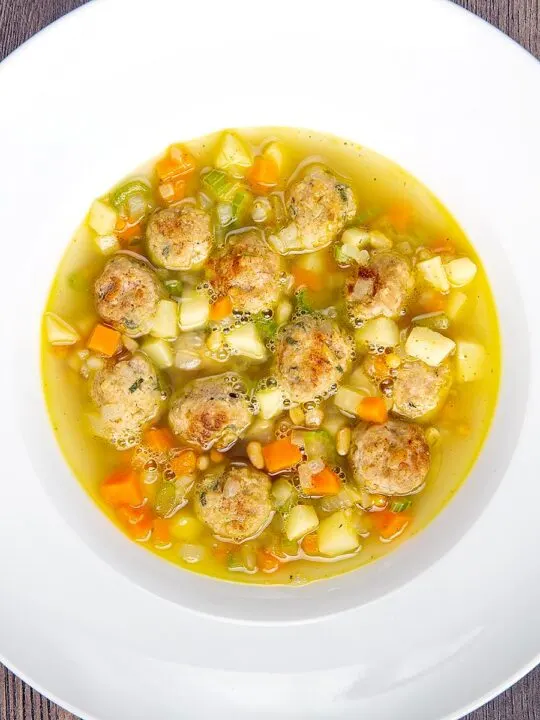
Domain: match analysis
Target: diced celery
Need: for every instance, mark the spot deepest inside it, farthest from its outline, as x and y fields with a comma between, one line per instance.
x=241, y=204
x=284, y=494
x=429, y=346
x=165, y=323
x=302, y=520
x=380, y=332
x=102, y=218
x=270, y=402
x=107, y=244
x=174, y=287
x=400, y=505
x=184, y=526
x=456, y=303
x=166, y=500
x=266, y=327
x=319, y=444
x=159, y=351
x=278, y=210
x=337, y=536
x=194, y=310
x=460, y=272
x=303, y=303
x=348, y=399
x=232, y=153
x=58, y=331
x=124, y=192
x=433, y=321
x=433, y=272
x=245, y=340
x=470, y=360
x=220, y=185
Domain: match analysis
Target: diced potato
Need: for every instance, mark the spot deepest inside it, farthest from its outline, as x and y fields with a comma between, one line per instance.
x=159, y=351
x=246, y=341
x=354, y=253
x=102, y=218
x=380, y=332
x=433, y=272
x=275, y=151
x=283, y=311
x=232, y=153
x=356, y=237
x=58, y=331
x=429, y=346
x=194, y=310
x=456, y=303
x=97, y=425
x=360, y=381
x=348, y=399
x=316, y=262
x=460, y=272
x=470, y=360
x=270, y=402
x=185, y=527
x=333, y=421
x=107, y=244
x=165, y=323
x=301, y=520
x=337, y=535
x=379, y=241
x=286, y=240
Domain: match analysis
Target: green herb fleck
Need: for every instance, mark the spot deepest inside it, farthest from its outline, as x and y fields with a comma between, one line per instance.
x=136, y=385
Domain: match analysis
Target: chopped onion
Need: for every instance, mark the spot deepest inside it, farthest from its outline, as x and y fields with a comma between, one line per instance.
x=186, y=360
x=191, y=553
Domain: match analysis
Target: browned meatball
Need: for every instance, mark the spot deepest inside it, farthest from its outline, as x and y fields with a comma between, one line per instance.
x=312, y=355
x=419, y=390
x=382, y=287
x=319, y=205
x=392, y=458
x=248, y=271
x=179, y=238
x=211, y=410
x=127, y=294
x=236, y=505
x=129, y=397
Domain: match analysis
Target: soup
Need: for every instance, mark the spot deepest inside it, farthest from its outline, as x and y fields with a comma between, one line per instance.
x=270, y=356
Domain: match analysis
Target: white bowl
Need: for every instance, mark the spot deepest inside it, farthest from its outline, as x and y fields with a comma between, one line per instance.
x=453, y=102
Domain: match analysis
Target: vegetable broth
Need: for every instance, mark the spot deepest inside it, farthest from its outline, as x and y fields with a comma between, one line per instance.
x=389, y=204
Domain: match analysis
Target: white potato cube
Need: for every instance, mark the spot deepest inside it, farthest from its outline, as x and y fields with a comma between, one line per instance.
x=470, y=360
x=102, y=218
x=460, y=272
x=380, y=332
x=433, y=272
x=455, y=305
x=429, y=346
x=165, y=323
x=301, y=520
x=247, y=342
x=337, y=535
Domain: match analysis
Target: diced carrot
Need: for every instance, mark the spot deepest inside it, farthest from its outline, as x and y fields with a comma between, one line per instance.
x=104, y=340
x=138, y=522
x=310, y=544
x=263, y=175
x=160, y=532
x=216, y=456
x=177, y=162
x=307, y=278
x=390, y=524
x=325, y=482
x=184, y=463
x=267, y=562
x=127, y=232
x=122, y=487
x=400, y=215
x=431, y=301
x=372, y=409
x=222, y=550
x=221, y=309
x=173, y=191
x=281, y=455
x=159, y=439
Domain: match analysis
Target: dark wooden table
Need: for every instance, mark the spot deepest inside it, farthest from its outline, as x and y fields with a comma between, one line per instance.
x=19, y=20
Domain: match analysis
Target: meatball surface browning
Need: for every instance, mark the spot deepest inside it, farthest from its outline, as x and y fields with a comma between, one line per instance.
x=179, y=238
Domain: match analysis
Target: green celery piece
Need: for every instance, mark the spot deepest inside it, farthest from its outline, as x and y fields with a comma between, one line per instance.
x=397, y=506
x=320, y=444
x=219, y=184
x=133, y=187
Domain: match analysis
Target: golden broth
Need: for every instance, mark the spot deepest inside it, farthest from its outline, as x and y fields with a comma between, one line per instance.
x=388, y=198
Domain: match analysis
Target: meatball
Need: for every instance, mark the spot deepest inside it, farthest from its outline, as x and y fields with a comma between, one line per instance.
x=179, y=238
x=127, y=294
x=235, y=505
x=420, y=390
x=212, y=409
x=319, y=206
x=129, y=396
x=312, y=355
x=248, y=271
x=392, y=458
x=381, y=288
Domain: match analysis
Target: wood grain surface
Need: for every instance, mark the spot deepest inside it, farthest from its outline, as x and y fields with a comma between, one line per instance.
x=19, y=20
